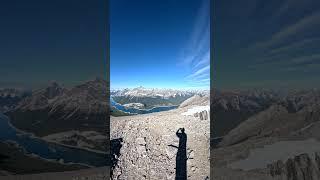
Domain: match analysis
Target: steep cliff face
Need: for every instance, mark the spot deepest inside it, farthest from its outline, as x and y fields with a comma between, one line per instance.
x=162, y=145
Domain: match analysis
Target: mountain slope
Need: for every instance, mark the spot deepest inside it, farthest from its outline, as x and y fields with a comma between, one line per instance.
x=279, y=142
x=56, y=109
x=230, y=108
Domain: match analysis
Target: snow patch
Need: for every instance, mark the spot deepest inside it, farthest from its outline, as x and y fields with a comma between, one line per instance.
x=196, y=109
x=259, y=158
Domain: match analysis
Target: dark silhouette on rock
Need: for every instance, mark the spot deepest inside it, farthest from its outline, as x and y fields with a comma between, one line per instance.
x=181, y=159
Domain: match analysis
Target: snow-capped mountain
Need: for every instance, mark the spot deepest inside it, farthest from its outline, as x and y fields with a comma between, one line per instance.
x=156, y=92
x=152, y=97
x=84, y=97
x=55, y=108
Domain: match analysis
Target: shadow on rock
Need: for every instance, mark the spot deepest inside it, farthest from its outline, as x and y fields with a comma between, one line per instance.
x=181, y=158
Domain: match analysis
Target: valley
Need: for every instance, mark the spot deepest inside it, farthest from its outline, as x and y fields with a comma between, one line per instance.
x=60, y=125
x=142, y=100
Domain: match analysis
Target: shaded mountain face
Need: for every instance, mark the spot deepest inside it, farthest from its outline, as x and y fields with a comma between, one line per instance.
x=40, y=99
x=286, y=118
x=297, y=101
x=230, y=108
x=234, y=110
x=153, y=97
x=56, y=109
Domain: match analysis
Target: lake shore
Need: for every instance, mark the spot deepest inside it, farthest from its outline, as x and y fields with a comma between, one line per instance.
x=32, y=135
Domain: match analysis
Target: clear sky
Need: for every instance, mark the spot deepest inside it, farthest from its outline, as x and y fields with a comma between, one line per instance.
x=159, y=43
x=57, y=40
x=266, y=43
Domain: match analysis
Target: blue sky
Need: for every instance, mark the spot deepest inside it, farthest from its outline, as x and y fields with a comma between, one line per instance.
x=159, y=43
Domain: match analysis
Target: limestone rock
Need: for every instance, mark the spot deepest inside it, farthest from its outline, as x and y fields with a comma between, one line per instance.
x=151, y=147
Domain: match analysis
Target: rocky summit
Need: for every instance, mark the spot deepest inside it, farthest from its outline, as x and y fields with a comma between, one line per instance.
x=163, y=145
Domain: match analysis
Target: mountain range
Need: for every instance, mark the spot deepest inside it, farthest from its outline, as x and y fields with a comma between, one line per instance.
x=153, y=97
x=245, y=120
x=56, y=109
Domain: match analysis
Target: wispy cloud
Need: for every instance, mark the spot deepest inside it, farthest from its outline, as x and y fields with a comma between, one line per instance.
x=199, y=72
x=305, y=60
x=288, y=6
x=291, y=47
x=301, y=63
x=196, y=55
x=204, y=60
x=294, y=46
x=300, y=27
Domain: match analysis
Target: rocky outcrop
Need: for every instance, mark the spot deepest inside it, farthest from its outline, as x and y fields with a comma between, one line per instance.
x=301, y=167
x=203, y=115
x=201, y=112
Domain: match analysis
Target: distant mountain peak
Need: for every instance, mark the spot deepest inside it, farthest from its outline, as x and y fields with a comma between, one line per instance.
x=156, y=92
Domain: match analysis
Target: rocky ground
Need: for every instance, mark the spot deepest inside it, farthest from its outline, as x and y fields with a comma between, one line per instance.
x=149, y=147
